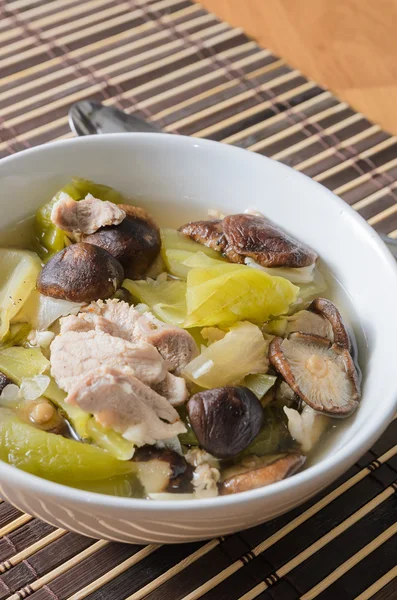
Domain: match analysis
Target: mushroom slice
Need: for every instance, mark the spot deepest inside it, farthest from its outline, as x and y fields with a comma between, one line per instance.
x=207, y=233
x=80, y=273
x=322, y=374
x=245, y=235
x=306, y=321
x=253, y=472
x=225, y=420
x=266, y=243
x=327, y=309
x=135, y=242
x=161, y=470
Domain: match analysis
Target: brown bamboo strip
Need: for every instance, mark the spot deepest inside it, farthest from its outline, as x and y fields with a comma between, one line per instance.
x=262, y=144
x=48, y=577
x=189, y=560
x=100, y=53
x=373, y=197
x=113, y=573
x=378, y=585
x=216, y=90
x=209, y=131
x=350, y=563
x=230, y=101
x=54, y=91
x=223, y=36
x=371, y=130
x=244, y=62
x=24, y=554
x=340, y=190
x=350, y=161
x=86, y=92
x=15, y=524
x=317, y=136
x=382, y=215
x=18, y=4
x=153, y=52
x=289, y=527
x=29, y=15
x=191, y=69
x=319, y=544
x=58, y=16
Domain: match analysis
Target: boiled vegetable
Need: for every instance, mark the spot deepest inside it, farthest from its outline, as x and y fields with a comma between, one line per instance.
x=166, y=299
x=178, y=248
x=274, y=436
x=224, y=294
x=17, y=335
x=52, y=456
x=109, y=440
x=42, y=311
x=18, y=273
x=259, y=383
x=242, y=351
x=19, y=363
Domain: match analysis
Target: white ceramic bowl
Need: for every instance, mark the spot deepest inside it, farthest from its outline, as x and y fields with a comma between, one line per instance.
x=178, y=179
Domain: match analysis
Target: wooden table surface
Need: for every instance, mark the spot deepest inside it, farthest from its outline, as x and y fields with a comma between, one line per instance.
x=350, y=46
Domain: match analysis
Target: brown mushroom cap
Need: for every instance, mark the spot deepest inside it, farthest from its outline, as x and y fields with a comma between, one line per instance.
x=225, y=420
x=306, y=321
x=254, y=472
x=327, y=309
x=163, y=470
x=81, y=273
x=322, y=374
x=135, y=243
x=244, y=235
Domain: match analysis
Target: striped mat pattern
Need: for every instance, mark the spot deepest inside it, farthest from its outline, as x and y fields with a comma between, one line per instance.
x=177, y=65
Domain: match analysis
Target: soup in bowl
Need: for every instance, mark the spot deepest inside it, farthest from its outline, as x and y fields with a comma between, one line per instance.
x=189, y=344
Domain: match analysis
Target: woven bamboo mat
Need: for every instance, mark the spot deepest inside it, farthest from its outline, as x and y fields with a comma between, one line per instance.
x=175, y=64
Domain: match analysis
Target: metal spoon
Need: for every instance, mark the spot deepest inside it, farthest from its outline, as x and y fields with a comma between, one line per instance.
x=87, y=118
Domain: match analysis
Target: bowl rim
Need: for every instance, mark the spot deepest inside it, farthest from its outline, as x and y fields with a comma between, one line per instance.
x=348, y=453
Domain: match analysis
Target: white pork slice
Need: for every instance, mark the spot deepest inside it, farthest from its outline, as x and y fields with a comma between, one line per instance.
x=121, y=402
x=173, y=389
x=175, y=345
x=85, y=216
x=75, y=353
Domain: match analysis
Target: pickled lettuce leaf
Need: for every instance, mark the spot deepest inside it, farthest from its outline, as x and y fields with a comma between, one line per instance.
x=224, y=294
x=259, y=383
x=166, y=299
x=54, y=457
x=274, y=436
x=49, y=239
x=19, y=363
x=242, y=351
x=17, y=335
x=188, y=438
x=109, y=440
x=19, y=270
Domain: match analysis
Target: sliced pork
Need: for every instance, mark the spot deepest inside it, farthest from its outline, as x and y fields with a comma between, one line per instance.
x=75, y=353
x=120, y=401
x=85, y=216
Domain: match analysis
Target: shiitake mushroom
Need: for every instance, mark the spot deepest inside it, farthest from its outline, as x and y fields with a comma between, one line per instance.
x=81, y=273
x=225, y=420
x=135, y=243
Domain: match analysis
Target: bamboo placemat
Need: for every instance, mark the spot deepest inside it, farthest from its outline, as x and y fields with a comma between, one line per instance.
x=175, y=64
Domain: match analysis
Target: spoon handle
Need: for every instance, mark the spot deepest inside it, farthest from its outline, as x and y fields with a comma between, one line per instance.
x=87, y=118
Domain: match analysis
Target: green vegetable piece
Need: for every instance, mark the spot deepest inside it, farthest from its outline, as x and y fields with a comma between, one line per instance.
x=242, y=351
x=123, y=486
x=175, y=240
x=166, y=299
x=19, y=270
x=110, y=440
x=52, y=456
x=259, y=383
x=274, y=436
x=16, y=336
x=189, y=437
x=179, y=251
x=224, y=294
x=49, y=239
x=19, y=363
